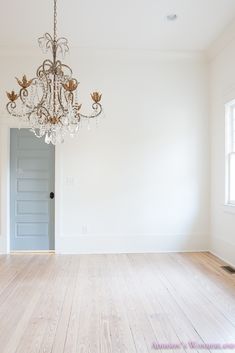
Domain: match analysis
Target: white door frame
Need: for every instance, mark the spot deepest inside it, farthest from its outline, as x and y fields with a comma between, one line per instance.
x=6, y=124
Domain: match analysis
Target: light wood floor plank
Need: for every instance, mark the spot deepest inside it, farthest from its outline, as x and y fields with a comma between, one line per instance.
x=203, y=314
x=114, y=303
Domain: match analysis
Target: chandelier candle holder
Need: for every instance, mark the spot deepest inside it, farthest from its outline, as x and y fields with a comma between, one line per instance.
x=49, y=102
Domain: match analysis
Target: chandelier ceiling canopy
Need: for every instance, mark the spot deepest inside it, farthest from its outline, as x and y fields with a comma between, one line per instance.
x=49, y=102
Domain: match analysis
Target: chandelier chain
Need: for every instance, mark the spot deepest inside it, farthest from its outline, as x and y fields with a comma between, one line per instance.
x=55, y=20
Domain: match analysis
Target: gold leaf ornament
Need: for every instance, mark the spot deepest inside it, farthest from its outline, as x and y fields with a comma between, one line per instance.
x=24, y=83
x=54, y=120
x=71, y=85
x=96, y=97
x=12, y=96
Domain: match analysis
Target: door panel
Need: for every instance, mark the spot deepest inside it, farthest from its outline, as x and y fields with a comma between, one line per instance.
x=32, y=171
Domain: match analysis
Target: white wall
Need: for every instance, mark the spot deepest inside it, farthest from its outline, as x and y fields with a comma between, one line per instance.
x=222, y=88
x=139, y=182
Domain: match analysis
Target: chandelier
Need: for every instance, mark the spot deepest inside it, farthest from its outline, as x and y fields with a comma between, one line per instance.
x=49, y=102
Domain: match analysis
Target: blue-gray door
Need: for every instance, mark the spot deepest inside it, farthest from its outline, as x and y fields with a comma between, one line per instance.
x=32, y=174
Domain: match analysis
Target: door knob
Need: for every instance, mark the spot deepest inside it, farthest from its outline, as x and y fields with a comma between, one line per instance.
x=52, y=195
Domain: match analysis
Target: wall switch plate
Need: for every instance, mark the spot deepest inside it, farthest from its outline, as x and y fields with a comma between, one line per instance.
x=69, y=181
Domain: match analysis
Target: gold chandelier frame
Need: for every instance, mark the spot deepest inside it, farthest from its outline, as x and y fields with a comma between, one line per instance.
x=49, y=102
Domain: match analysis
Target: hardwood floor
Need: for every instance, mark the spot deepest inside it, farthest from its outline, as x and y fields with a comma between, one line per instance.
x=115, y=303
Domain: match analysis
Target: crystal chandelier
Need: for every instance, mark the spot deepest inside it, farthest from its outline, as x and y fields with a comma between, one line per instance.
x=49, y=102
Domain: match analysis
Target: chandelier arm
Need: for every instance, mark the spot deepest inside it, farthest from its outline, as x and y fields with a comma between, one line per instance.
x=95, y=106
x=23, y=94
x=41, y=110
x=90, y=116
x=10, y=107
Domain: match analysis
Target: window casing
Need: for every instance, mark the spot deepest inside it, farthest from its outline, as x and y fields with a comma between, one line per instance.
x=230, y=153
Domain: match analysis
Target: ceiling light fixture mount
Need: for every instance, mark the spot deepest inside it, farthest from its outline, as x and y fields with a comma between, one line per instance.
x=49, y=102
x=172, y=17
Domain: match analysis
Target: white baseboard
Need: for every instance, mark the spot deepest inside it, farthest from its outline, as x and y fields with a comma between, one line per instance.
x=223, y=250
x=115, y=244
x=93, y=244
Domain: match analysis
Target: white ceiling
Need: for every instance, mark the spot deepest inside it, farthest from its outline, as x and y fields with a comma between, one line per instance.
x=118, y=24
